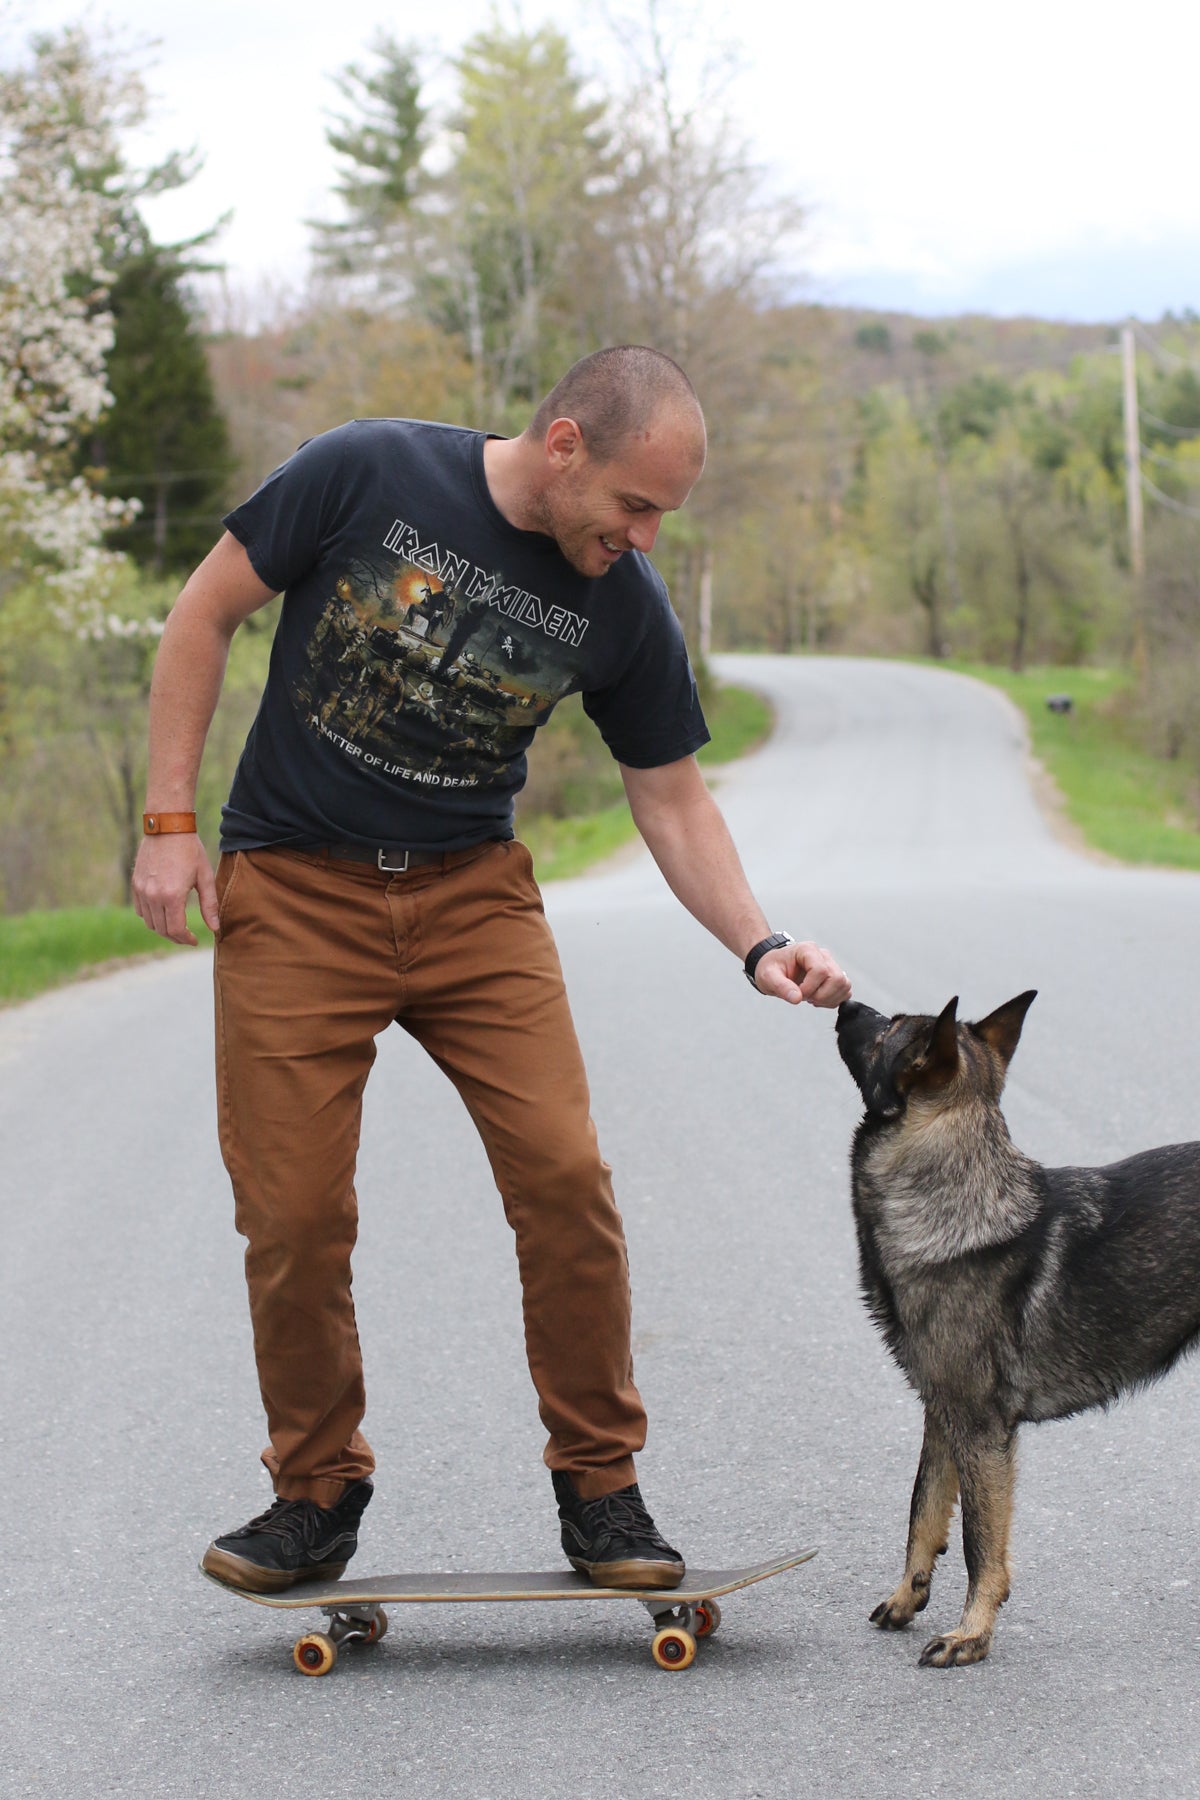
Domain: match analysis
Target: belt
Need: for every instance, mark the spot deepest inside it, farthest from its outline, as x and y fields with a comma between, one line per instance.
x=393, y=860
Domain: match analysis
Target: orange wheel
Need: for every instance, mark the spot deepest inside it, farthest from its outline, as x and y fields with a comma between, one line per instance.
x=673, y=1648
x=708, y=1617
x=379, y=1625
x=314, y=1654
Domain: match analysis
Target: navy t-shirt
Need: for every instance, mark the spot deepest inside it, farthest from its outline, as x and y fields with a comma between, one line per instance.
x=423, y=639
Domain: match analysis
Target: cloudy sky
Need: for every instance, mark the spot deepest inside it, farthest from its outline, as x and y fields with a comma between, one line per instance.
x=1037, y=157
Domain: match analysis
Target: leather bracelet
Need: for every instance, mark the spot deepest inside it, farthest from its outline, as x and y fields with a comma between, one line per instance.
x=157, y=824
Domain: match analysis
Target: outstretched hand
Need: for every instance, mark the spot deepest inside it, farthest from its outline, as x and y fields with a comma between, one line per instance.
x=167, y=869
x=803, y=972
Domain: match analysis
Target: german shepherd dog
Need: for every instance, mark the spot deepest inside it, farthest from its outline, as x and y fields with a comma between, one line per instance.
x=1006, y=1291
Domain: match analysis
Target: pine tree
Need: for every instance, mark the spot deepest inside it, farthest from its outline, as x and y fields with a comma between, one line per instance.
x=164, y=441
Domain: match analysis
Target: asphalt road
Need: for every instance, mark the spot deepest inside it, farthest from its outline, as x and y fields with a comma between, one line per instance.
x=891, y=817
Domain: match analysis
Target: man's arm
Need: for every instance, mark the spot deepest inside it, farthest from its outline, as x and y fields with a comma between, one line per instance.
x=188, y=672
x=689, y=840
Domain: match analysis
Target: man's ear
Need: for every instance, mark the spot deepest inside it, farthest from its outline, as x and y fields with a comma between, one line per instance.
x=1001, y=1030
x=564, y=443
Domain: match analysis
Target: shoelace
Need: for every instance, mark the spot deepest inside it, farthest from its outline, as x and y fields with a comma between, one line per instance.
x=623, y=1514
x=282, y=1519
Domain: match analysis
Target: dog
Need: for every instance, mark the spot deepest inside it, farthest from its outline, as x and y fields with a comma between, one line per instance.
x=1007, y=1292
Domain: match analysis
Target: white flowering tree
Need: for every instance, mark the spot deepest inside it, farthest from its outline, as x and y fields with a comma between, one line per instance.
x=61, y=118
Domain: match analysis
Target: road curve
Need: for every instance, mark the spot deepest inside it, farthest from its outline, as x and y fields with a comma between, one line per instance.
x=891, y=816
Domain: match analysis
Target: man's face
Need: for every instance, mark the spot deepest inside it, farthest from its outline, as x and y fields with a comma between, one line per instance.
x=595, y=512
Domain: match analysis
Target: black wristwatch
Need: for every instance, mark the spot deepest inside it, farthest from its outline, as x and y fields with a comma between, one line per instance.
x=776, y=941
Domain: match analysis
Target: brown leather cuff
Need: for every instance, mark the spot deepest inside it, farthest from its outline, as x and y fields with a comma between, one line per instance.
x=157, y=823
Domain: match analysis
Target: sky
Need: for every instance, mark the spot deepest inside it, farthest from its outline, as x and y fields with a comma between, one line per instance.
x=1035, y=158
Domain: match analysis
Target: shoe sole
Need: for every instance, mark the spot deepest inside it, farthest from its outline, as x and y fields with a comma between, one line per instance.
x=237, y=1572
x=630, y=1574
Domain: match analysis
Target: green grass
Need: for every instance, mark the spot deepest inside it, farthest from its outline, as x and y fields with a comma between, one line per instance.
x=1125, y=802
x=739, y=721
x=40, y=950
x=565, y=847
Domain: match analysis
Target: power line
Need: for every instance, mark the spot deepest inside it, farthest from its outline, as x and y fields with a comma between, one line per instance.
x=1177, y=506
x=1169, y=462
x=1164, y=355
x=1180, y=431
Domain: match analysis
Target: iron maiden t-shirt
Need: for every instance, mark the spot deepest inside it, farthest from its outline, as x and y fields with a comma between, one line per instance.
x=423, y=639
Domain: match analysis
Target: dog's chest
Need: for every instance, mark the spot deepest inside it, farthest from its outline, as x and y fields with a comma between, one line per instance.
x=929, y=1198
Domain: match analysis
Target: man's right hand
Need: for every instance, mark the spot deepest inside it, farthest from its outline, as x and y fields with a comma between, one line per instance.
x=167, y=870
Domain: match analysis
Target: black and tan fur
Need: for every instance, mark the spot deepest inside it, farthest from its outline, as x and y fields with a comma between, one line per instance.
x=1006, y=1291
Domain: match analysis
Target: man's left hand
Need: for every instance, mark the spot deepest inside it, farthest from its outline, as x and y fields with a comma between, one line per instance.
x=803, y=972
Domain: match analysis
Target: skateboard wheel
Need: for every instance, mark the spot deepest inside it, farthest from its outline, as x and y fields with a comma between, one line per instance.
x=314, y=1654
x=708, y=1617
x=378, y=1627
x=673, y=1648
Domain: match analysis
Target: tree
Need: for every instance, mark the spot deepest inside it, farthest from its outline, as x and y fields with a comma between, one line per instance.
x=80, y=627
x=59, y=121
x=507, y=244
x=380, y=143
x=697, y=240
x=901, y=512
x=696, y=231
x=164, y=440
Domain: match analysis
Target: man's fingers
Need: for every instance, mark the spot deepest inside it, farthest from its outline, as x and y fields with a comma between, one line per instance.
x=825, y=983
x=168, y=869
x=206, y=891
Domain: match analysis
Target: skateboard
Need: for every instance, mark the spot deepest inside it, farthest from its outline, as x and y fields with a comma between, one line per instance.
x=681, y=1616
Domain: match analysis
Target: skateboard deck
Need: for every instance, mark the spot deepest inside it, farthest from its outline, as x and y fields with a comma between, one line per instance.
x=354, y=1607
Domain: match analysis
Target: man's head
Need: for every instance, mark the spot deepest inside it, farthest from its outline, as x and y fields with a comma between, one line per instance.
x=618, y=442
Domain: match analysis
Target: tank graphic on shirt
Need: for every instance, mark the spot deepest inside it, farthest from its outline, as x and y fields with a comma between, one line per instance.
x=419, y=675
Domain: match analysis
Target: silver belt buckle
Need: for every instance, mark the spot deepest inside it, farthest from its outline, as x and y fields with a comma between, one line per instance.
x=391, y=868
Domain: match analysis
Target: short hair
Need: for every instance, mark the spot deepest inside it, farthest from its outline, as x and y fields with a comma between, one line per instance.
x=612, y=394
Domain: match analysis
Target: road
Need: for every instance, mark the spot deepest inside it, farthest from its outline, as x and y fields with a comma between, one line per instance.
x=891, y=816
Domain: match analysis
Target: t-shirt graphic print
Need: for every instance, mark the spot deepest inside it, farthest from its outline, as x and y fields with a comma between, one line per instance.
x=434, y=664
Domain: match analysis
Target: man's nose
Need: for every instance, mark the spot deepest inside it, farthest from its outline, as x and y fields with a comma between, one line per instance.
x=643, y=531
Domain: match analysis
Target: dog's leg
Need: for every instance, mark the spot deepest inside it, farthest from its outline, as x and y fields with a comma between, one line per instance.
x=987, y=1469
x=934, y=1493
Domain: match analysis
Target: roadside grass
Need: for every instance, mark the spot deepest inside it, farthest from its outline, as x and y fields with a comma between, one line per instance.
x=739, y=720
x=1125, y=802
x=41, y=950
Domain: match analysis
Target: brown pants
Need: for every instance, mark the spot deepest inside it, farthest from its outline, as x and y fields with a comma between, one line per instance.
x=314, y=959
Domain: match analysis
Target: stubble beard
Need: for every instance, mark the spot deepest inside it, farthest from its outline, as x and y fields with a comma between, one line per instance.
x=574, y=546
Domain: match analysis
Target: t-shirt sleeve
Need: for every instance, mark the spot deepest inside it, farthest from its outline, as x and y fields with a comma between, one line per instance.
x=284, y=523
x=650, y=714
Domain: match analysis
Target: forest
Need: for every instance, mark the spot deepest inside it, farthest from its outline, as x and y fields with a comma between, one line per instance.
x=878, y=484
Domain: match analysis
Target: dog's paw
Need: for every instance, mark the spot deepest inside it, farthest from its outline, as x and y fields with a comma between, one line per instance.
x=955, y=1648
x=902, y=1607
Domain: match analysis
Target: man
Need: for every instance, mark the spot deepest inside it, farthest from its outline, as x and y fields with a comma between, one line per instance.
x=369, y=874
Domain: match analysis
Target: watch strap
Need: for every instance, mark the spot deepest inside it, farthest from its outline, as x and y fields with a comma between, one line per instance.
x=776, y=941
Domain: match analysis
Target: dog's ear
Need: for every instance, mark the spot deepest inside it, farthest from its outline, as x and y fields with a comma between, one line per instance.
x=936, y=1058
x=1001, y=1030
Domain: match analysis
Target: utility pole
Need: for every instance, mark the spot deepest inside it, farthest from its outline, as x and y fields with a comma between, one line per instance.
x=1133, y=494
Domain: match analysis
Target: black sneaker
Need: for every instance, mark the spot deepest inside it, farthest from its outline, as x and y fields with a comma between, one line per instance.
x=294, y=1540
x=613, y=1540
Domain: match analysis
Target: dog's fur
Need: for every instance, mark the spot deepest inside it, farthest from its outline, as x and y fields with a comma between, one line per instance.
x=1006, y=1291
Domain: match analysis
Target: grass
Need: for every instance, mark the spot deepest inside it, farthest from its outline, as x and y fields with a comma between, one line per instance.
x=41, y=950
x=739, y=721
x=1125, y=802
